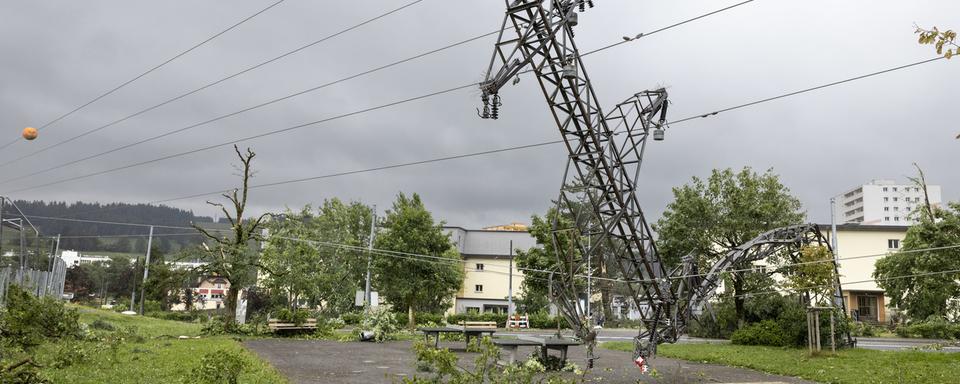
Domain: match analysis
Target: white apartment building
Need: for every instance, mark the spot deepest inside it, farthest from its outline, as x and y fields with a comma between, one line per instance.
x=882, y=202
x=486, y=254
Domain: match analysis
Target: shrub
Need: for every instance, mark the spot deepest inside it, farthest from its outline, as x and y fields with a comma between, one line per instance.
x=500, y=319
x=381, y=322
x=864, y=329
x=218, y=367
x=421, y=318
x=28, y=321
x=297, y=317
x=767, y=332
x=352, y=318
x=545, y=321
x=933, y=327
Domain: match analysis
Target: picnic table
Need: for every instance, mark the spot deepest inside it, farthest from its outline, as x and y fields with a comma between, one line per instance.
x=545, y=344
x=469, y=330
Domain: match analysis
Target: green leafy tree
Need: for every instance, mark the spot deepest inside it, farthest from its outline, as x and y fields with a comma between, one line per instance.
x=708, y=218
x=233, y=256
x=918, y=279
x=413, y=282
x=812, y=273
x=326, y=270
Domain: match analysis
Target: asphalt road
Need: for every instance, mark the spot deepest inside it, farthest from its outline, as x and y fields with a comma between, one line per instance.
x=877, y=343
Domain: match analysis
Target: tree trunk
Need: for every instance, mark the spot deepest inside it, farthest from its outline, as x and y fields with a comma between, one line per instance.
x=411, y=322
x=231, y=304
x=738, y=299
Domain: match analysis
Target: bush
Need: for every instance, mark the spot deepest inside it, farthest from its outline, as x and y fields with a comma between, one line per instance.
x=864, y=329
x=543, y=320
x=932, y=328
x=500, y=319
x=218, y=367
x=381, y=322
x=28, y=321
x=297, y=317
x=421, y=318
x=767, y=332
x=352, y=318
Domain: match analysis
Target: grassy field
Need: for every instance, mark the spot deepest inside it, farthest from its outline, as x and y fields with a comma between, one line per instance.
x=160, y=358
x=848, y=366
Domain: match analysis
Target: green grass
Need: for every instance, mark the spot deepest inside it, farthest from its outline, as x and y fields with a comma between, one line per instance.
x=848, y=366
x=159, y=359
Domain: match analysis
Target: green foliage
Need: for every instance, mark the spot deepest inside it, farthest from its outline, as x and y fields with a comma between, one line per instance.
x=22, y=372
x=28, y=321
x=415, y=283
x=926, y=290
x=420, y=318
x=500, y=319
x=102, y=325
x=708, y=218
x=814, y=272
x=381, y=322
x=443, y=365
x=218, y=367
x=933, y=327
x=940, y=40
x=352, y=318
x=767, y=332
x=297, y=317
x=225, y=326
x=859, y=328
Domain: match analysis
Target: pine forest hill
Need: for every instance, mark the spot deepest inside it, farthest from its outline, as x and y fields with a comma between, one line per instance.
x=107, y=238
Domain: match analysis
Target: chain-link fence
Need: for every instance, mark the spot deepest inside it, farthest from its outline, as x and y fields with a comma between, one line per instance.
x=38, y=282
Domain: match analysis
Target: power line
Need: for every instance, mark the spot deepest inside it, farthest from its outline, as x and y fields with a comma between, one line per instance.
x=158, y=66
x=276, y=131
x=506, y=149
x=312, y=89
x=302, y=92
x=183, y=95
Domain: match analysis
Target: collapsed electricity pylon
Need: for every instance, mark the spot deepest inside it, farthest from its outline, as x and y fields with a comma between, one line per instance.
x=605, y=154
x=598, y=212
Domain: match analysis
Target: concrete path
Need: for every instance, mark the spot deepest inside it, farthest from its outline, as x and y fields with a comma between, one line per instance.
x=314, y=361
x=877, y=343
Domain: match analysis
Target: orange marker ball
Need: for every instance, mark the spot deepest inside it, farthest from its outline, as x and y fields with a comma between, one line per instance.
x=29, y=133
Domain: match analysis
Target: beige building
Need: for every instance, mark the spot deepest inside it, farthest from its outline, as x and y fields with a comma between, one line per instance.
x=858, y=248
x=487, y=255
x=210, y=293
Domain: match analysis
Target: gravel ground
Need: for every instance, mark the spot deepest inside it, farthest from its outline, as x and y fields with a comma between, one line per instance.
x=315, y=361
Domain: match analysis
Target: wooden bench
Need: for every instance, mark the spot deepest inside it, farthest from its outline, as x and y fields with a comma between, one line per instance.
x=276, y=325
x=545, y=344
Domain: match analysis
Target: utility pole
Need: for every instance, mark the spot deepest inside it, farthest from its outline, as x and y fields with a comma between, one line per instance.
x=510, y=286
x=146, y=269
x=589, y=279
x=2, y=201
x=837, y=296
x=133, y=291
x=373, y=226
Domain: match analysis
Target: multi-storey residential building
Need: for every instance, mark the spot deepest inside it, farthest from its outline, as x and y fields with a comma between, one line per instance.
x=882, y=202
x=487, y=254
x=858, y=249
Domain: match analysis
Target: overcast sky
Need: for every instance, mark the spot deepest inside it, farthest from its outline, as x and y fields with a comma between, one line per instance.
x=56, y=55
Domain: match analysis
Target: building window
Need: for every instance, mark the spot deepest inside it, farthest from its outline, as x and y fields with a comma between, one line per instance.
x=886, y=209
x=886, y=199
x=886, y=218
x=473, y=309
x=896, y=209
x=893, y=243
x=894, y=199
x=479, y=267
x=478, y=288
x=867, y=307
x=896, y=218
x=894, y=189
x=884, y=189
